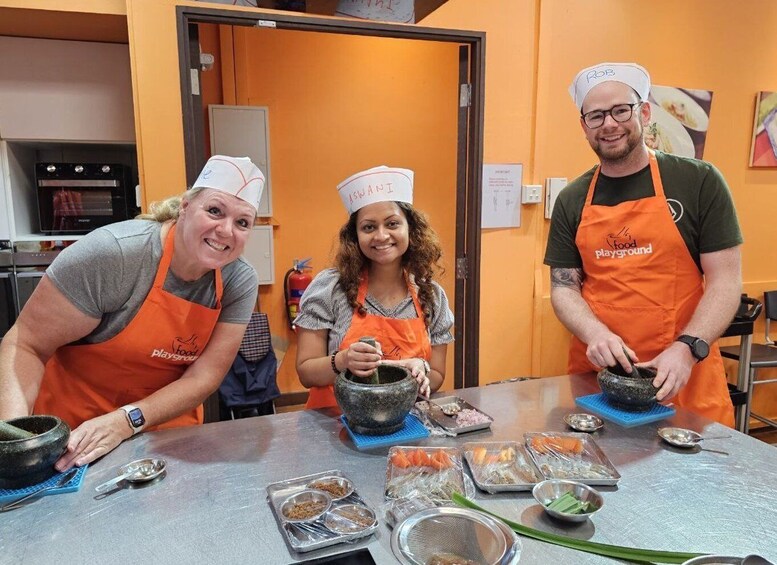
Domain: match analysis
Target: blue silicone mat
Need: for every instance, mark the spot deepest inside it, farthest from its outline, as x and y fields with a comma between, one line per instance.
x=413, y=429
x=7, y=495
x=598, y=403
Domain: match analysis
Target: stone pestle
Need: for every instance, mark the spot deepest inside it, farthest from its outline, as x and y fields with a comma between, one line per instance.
x=9, y=432
x=374, y=378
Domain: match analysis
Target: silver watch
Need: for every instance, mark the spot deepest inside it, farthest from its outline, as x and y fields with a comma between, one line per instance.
x=427, y=367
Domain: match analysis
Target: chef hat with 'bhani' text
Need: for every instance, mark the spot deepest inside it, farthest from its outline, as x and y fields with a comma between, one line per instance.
x=630, y=74
x=379, y=184
x=237, y=176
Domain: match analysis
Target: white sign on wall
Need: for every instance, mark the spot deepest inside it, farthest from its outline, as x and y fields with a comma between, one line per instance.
x=501, y=204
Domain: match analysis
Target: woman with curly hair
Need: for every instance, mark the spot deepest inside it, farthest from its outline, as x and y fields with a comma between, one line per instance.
x=381, y=286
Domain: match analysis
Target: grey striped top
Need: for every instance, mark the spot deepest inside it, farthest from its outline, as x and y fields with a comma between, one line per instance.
x=324, y=306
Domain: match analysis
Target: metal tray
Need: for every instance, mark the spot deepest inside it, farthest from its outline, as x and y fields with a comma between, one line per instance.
x=516, y=470
x=436, y=484
x=449, y=423
x=303, y=539
x=590, y=466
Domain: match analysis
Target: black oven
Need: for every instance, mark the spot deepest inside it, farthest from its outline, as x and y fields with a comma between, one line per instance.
x=75, y=198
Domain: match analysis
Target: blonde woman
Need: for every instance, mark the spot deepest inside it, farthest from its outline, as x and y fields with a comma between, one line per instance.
x=134, y=325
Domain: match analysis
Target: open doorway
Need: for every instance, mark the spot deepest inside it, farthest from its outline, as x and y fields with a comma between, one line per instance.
x=358, y=135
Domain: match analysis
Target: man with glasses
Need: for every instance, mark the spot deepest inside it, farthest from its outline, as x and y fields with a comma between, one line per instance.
x=644, y=250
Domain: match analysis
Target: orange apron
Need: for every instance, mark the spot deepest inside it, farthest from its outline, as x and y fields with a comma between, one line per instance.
x=399, y=339
x=641, y=281
x=166, y=336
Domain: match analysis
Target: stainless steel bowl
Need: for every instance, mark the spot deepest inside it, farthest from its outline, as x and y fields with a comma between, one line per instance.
x=583, y=422
x=332, y=485
x=307, y=496
x=551, y=489
x=454, y=532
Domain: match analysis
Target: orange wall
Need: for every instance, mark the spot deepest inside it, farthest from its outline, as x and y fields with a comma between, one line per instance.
x=337, y=105
x=533, y=49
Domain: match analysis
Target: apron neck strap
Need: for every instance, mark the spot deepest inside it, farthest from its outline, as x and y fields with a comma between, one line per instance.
x=658, y=186
x=167, y=258
x=363, y=284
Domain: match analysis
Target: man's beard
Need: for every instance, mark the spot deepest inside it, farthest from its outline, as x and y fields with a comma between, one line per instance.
x=618, y=155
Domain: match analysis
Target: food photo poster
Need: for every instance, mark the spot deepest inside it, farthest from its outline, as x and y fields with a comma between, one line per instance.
x=679, y=120
x=763, y=149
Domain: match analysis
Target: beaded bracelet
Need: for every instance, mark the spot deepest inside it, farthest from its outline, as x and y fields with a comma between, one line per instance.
x=334, y=365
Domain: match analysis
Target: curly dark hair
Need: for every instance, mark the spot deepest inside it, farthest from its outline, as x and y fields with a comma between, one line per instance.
x=422, y=259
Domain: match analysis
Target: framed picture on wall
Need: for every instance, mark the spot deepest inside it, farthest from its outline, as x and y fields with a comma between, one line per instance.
x=763, y=150
x=679, y=120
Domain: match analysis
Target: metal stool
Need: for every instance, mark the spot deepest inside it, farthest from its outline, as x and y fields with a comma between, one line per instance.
x=751, y=356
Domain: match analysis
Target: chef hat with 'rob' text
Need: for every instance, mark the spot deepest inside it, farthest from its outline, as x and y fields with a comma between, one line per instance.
x=237, y=176
x=379, y=184
x=630, y=74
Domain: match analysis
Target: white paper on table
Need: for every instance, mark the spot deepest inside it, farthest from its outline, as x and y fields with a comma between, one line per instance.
x=501, y=204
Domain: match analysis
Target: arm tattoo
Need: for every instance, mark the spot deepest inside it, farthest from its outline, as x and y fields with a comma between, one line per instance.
x=570, y=278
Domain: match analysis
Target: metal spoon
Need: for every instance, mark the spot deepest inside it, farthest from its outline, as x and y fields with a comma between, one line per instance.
x=141, y=470
x=63, y=480
x=681, y=437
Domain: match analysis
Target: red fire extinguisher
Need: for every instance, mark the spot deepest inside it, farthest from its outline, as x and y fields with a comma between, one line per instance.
x=295, y=282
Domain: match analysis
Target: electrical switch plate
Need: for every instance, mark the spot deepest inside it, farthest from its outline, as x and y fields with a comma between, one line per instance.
x=553, y=186
x=531, y=194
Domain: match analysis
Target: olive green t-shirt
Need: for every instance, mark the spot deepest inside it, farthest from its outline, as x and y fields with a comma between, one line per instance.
x=698, y=198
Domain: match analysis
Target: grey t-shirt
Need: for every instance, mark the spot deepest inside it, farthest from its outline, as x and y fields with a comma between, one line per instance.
x=324, y=306
x=108, y=273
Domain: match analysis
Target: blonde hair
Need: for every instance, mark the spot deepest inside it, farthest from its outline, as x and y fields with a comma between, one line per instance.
x=169, y=208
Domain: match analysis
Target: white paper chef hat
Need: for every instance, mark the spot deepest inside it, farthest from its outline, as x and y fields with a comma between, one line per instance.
x=379, y=184
x=630, y=74
x=236, y=175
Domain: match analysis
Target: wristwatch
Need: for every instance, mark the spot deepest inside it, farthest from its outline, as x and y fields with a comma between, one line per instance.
x=427, y=367
x=699, y=348
x=135, y=418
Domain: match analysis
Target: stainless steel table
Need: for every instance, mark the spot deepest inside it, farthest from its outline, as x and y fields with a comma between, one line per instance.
x=211, y=506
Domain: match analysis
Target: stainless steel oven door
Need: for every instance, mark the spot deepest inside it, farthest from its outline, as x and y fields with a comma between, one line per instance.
x=26, y=282
x=7, y=302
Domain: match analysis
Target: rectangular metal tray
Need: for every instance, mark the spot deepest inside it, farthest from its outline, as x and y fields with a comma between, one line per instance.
x=448, y=423
x=590, y=467
x=518, y=472
x=301, y=540
x=436, y=484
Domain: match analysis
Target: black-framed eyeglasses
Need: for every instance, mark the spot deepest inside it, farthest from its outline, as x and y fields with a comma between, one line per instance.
x=620, y=113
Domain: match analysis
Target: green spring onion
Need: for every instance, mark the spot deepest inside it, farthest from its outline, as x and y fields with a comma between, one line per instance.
x=615, y=551
x=569, y=504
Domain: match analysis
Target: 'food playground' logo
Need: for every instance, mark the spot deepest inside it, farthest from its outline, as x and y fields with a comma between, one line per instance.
x=182, y=350
x=621, y=244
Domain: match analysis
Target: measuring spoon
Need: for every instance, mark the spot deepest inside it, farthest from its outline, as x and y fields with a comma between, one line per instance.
x=139, y=471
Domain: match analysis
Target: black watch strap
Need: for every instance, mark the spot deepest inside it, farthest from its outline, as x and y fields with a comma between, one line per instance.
x=700, y=349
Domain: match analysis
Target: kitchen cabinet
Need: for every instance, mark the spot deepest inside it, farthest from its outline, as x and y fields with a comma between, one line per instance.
x=243, y=131
x=259, y=253
x=65, y=90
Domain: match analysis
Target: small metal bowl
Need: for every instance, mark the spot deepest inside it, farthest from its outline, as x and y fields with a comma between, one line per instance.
x=680, y=437
x=547, y=491
x=349, y=518
x=334, y=486
x=584, y=422
x=305, y=497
